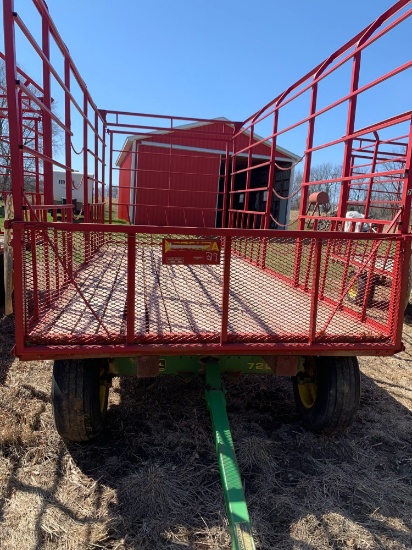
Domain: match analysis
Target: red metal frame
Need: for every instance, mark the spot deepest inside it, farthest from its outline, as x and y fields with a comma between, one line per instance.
x=53, y=255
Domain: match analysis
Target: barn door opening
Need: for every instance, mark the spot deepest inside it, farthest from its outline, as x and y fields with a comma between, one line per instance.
x=221, y=192
x=256, y=201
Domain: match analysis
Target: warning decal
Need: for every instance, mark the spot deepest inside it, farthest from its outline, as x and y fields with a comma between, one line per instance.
x=191, y=251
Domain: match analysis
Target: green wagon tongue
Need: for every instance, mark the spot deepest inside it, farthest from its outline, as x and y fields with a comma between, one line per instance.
x=239, y=521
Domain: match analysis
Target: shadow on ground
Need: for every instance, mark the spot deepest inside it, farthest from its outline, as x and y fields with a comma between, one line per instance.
x=303, y=491
x=6, y=344
x=151, y=481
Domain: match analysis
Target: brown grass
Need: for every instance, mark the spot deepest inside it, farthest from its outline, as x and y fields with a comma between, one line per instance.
x=152, y=481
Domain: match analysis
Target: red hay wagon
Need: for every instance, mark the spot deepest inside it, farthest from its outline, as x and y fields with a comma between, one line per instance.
x=207, y=270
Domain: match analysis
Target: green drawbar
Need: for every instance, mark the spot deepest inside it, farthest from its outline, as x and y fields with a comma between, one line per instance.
x=236, y=508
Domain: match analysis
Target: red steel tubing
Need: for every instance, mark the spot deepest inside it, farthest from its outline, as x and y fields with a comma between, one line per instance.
x=226, y=289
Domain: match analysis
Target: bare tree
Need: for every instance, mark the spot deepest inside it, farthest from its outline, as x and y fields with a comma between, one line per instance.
x=320, y=174
x=388, y=189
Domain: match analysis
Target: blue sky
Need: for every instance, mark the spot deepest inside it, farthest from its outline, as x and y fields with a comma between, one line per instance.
x=209, y=58
x=202, y=58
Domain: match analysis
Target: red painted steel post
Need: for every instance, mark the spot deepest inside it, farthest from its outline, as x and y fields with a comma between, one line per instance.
x=309, y=263
x=226, y=289
x=249, y=172
x=56, y=262
x=96, y=157
x=131, y=286
x=86, y=208
x=46, y=118
x=67, y=137
x=68, y=163
x=111, y=178
x=103, y=174
x=322, y=282
x=305, y=179
x=226, y=187
x=16, y=163
x=404, y=229
x=14, y=115
x=348, y=252
x=36, y=162
x=272, y=171
x=350, y=126
x=407, y=188
x=270, y=184
x=315, y=291
x=369, y=281
x=371, y=179
x=232, y=184
x=35, y=278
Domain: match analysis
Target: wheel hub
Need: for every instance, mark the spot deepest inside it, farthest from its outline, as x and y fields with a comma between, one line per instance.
x=308, y=390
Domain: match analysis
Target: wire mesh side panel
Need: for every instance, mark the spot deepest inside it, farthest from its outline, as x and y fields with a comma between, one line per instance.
x=359, y=291
x=262, y=295
x=77, y=290
x=69, y=287
x=314, y=291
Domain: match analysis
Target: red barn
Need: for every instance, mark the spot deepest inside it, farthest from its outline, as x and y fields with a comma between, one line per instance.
x=176, y=177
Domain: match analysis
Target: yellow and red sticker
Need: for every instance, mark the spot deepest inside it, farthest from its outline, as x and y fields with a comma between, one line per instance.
x=191, y=251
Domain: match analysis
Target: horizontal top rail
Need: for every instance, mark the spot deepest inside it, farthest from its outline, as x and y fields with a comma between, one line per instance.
x=217, y=232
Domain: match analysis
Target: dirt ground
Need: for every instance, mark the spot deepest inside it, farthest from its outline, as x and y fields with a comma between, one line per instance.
x=152, y=481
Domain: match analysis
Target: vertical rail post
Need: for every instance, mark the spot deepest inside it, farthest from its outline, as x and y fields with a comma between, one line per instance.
x=37, y=200
x=350, y=125
x=96, y=157
x=308, y=153
x=111, y=179
x=398, y=294
x=248, y=174
x=322, y=282
x=68, y=163
x=305, y=178
x=35, y=274
x=371, y=179
x=407, y=188
x=406, y=245
x=315, y=291
x=348, y=252
x=226, y=286
x=86, y=209
x=67, y=137
x=104, y=172
x=16, y=164
x=47, y=123
x=232, y=184
x=271, y=176
x=226, y=187
x=14, y=114
x=131, y=286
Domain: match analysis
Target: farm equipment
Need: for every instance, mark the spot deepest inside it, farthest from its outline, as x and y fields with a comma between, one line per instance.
x=209, y=281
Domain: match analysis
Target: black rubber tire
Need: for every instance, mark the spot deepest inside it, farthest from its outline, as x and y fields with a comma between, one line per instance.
x=79, y=410
x=361, y=283
x=337, y=399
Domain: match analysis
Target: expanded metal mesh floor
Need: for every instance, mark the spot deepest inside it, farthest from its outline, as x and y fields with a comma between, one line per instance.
x=184, y=304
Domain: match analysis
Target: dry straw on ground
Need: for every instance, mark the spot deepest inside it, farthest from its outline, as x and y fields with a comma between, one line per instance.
x=152, y=480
